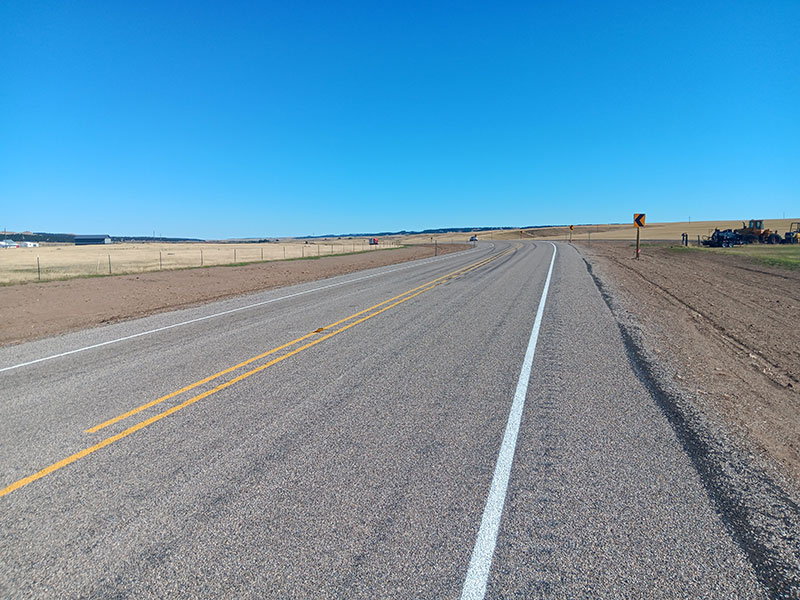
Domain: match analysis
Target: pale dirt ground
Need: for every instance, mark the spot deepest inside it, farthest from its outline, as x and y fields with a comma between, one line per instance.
x=728, y=325
x=64, y=261
x=34, y=310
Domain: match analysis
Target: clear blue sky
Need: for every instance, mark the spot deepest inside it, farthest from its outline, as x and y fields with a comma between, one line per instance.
x=232, y=119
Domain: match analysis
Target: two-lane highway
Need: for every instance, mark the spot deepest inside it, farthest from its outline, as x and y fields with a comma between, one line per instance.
x=389, y=433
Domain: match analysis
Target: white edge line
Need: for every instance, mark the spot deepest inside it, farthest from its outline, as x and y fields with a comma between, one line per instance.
x=481, y=560
x=226, y=312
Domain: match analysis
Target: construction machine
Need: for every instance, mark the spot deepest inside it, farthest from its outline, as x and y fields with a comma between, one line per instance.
x=754, y=232
x=723, y=239
x=793, y=235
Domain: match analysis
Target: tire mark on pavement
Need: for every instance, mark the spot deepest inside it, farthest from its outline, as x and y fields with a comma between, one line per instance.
x=481, y=560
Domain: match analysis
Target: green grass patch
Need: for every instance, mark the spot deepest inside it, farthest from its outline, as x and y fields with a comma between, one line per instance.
x=681, y=249
x=786, y=256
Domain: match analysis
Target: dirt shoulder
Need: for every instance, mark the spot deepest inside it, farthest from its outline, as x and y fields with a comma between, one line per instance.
x=729, y=329
x=36, y=310
x=714, y=338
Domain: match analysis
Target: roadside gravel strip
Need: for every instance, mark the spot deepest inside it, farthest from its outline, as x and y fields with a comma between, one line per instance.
x=759, y=511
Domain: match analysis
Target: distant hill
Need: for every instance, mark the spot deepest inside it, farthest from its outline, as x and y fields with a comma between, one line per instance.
x=28, y=236
x=404, y=232
x=147, y=238
x=69, y=238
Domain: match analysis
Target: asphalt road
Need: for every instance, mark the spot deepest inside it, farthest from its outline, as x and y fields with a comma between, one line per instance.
x=356, y=461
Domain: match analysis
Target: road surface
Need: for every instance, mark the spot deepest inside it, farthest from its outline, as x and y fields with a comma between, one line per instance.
x=464, y=426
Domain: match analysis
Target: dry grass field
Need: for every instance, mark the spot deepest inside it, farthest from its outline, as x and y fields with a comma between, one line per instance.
x=63, y=262
x=652, y=231
x=670, y=231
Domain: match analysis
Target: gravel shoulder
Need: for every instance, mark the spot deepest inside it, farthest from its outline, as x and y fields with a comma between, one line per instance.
x=36, y=310
x=716, y=339
x=728, y=327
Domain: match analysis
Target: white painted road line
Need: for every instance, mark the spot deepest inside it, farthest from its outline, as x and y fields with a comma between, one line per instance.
x=225, y=312
x=481, y=560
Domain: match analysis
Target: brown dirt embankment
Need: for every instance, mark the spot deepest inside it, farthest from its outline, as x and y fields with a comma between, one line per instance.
x=36, y=310
x=729, y=327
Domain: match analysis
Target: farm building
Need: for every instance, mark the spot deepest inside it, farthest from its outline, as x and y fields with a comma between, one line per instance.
x=87, y=240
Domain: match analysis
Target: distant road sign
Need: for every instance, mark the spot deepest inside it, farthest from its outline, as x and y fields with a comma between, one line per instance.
x=571, y=227
x=638, y=219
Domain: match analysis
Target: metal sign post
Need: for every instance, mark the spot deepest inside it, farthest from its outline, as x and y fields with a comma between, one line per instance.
x=638, y=223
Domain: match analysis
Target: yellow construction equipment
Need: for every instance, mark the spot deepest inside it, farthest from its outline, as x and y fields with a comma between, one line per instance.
x=793, y=235
x=754, y=232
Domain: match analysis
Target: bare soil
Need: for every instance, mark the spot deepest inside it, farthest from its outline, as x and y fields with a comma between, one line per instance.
x=729, y=327
x=35, y=310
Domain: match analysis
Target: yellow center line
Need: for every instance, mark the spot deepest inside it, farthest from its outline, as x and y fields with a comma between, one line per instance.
x=155, y=418
x=205, y=380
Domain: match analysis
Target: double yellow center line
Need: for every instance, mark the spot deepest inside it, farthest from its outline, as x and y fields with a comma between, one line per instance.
x=318, y=335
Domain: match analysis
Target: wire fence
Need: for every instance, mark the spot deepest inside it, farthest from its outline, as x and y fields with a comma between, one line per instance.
x=46, y=263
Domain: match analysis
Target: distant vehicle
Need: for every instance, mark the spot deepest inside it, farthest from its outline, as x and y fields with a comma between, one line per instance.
x=474, y=238
x=373, y=241
x=9, y=244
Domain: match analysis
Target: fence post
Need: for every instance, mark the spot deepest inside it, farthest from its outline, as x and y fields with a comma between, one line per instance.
x=39, y=268
x=160, y=262
x=109, y=264
x=234, y=255
x=262, y=252
x=201, y=257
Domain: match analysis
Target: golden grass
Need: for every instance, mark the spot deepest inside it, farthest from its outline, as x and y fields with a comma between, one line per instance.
x=652, y=231
x=672, y=231
x=64, y=262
